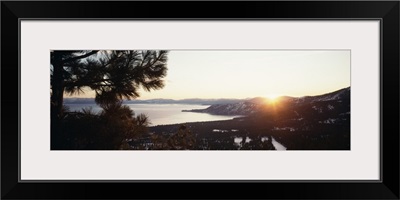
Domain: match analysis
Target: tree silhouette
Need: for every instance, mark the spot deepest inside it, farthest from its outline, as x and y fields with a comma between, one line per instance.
x=112, y=75
x=109, y=129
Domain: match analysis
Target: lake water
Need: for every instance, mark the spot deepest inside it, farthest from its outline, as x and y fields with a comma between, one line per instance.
x=278, y=146
x=161, y=114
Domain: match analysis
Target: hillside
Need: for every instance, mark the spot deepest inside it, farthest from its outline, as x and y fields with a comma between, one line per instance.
x=319, y=122
x=321, y=103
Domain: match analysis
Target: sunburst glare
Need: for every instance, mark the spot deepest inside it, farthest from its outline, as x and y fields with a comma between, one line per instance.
x=272, y=97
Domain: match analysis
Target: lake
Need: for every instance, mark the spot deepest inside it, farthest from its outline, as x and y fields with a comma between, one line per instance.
x=162, y=114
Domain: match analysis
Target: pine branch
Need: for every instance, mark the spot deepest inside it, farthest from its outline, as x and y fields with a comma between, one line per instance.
x=79, y=57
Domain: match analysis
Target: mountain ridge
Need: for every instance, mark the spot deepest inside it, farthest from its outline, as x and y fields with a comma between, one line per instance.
x=218, y=101
x=258, y=104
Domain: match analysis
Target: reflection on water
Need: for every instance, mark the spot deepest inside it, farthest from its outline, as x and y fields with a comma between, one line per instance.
x=263, y=139
x=278, y=146
x=238, y=141
x=247, y=140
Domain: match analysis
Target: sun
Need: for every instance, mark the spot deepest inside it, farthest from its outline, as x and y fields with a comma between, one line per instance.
x=272, y=97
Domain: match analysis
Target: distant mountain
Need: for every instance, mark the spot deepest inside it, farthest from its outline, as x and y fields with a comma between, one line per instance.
x=263, y=105
x=79, y=101
x=159, y=101
x=240, y=108
x=184, y=101
x=336, y=95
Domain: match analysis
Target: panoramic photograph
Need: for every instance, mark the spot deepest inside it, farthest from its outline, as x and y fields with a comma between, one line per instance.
x=200, y=100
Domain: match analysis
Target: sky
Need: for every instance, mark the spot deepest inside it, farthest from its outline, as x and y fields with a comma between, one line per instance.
x=243, y=74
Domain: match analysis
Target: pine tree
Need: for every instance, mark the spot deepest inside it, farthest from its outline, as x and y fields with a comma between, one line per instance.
x=112, y=75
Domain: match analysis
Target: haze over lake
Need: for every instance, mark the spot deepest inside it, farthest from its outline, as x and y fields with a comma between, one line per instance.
x=162, y=114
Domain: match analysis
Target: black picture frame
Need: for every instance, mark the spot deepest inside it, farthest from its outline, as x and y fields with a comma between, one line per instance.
x=386, y=11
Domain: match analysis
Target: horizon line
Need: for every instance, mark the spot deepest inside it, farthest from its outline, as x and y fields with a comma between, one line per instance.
x=212, y=98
